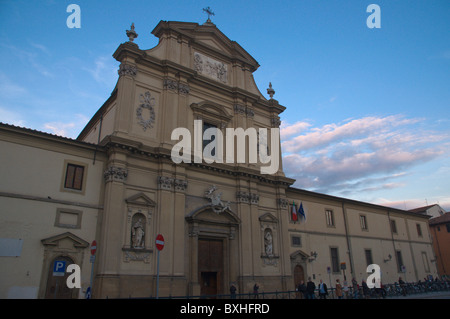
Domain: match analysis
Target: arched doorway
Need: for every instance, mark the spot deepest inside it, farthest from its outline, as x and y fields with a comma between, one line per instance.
x=56, y=282
x=214, y=257
x=299, y=275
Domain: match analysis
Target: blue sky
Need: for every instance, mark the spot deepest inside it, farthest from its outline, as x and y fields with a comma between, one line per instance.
x=368, y=110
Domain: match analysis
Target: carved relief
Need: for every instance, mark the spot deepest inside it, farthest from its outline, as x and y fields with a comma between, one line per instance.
x=114, y=173
x=176, y=86
x=147, y=102
x=210, y=67
x=243, y=110
x=244, y=197
x=215, y=200
x=169, y=183
x=127, y=69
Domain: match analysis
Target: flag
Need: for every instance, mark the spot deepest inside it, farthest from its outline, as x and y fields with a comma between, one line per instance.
x=301, y=213
x=294, y=212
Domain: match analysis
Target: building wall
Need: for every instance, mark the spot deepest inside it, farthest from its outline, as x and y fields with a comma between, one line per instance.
x=441, y=245
x=35, y=206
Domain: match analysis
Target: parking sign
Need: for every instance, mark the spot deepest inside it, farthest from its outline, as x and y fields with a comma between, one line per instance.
x=59, y=268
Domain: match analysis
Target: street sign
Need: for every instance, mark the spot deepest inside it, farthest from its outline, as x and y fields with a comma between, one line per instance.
x=59, y=268
x=159, y=242
x=343, y=266
x=93, y=248
x=328, y=270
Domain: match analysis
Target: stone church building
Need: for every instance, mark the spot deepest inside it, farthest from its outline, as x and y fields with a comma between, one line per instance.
x=223, y=223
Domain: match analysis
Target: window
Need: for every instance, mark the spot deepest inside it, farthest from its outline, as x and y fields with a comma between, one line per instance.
x=363, y=220
x=74, y=177
x=448, y=227
x=398, y=255
x=209, y=141
x=368, y=254
x=334, y=259
x=393, y=226
x=330, y=218
x=296, y=241
x=419, y=230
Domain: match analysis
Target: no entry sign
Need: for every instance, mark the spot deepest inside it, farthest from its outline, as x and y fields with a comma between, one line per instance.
x=93, y=248
x=159, y=242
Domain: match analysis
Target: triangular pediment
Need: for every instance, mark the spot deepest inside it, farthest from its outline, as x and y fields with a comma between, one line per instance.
x=268, y=217
x=67, y=237
x=207, y=37
x=140, y=199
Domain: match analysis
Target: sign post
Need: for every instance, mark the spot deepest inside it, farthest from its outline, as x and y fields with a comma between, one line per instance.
x=92, y=260
x=343, y=267
x=159, y=245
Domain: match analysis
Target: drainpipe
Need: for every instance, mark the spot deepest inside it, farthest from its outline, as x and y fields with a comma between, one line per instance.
x=350, y=255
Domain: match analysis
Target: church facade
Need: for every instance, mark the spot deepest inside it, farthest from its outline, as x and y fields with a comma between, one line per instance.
x=224, y=222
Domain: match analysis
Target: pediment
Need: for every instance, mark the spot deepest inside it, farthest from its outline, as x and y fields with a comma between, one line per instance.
x=299, y=255
x=268, y=218
x=212, y=110
x=140, y=199
x=65, y=239
x=209, y=37
x=207, y=215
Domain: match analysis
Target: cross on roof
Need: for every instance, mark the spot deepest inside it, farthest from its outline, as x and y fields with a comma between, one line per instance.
x=209, y=12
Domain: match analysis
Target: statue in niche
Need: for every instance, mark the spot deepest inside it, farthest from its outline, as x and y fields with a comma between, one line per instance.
x=268, y=242
x=137, y=231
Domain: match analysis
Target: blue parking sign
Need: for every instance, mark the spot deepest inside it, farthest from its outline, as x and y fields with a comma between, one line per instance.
x=59, y=268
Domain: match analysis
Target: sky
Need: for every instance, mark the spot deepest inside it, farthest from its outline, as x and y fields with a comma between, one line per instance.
x=367, y=109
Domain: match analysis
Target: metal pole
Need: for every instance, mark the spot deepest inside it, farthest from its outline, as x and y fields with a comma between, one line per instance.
x=157, y=277
x=92, y=275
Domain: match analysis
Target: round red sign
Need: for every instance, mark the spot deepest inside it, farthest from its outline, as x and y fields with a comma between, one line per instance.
x=159, y=242
x=93, y=248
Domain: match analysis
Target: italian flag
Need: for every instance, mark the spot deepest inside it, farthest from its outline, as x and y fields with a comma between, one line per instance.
x=294, y=212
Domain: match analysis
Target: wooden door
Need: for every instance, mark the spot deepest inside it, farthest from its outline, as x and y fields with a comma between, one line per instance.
x=299, y=275
x=210, y=266
x=56, y=285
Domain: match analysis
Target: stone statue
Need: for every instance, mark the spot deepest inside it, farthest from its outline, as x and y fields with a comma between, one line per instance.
x=137, y=234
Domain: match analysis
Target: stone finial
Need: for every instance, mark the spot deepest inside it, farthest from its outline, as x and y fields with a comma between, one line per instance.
x=270, y=91
x=131, y=34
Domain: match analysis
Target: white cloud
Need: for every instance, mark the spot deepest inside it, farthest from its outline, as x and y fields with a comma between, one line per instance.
x=364, y=155
x=69, y=129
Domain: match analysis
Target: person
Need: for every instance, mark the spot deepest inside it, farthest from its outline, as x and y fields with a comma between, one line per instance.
x=345, y=289
x=355, y=287
x=255, y=290
x=310, y=288
x=338, y=289
x=323, y=291
x=366, y=290
x=402, y=285
x=233, y=291
x=301, y=289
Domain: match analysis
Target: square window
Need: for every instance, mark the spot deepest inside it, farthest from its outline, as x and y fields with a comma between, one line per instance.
x=74, y=177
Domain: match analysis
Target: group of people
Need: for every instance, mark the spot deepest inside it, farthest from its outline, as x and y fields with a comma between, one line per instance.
x=308, y=291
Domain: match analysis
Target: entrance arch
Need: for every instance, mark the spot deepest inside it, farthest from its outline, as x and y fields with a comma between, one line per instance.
x=298, y=267
x=214, y=257
x=299, y=275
